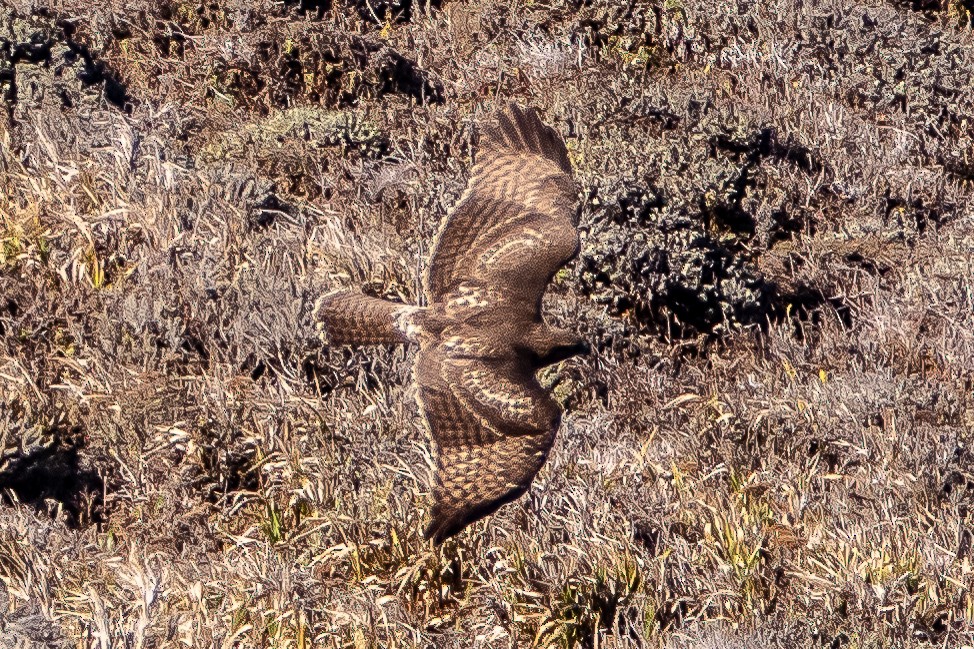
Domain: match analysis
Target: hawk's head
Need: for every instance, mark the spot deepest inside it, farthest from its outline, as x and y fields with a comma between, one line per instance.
x=562, y=352
x=549, y=346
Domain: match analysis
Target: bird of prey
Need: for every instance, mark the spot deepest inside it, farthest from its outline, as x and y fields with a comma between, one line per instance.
x=481, y=336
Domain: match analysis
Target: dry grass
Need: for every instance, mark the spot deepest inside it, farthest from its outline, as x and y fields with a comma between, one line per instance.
x=772, y=447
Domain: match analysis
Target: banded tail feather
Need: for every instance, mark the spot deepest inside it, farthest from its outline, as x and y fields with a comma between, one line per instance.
x=352, y=318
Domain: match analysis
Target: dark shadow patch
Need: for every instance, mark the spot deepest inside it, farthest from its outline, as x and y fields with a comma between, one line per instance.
x=918, y=213
x=968, y=6
x=966, y=538
x=53, y=477
x=264, y=213
x=404, y=76
x=929, y=7
x=725, y=213
x=705, y=287
x=38, y=49
x=229, y=463
x=934, y=627
x=193, y=346
x=9, y=310
x=169, y=38
x=673, y=280
x=785, y=226
x=671, y=614
x=258, y=371
x=95, y=72
x=649, y=535
x=806, y=308
x=827, y=452
x=322, y=379
x=35, y=51
x=639, y=205
x=766, y=143
x=962, y=170
x=663, y=119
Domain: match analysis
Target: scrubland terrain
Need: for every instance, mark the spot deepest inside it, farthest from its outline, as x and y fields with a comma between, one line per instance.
x=772, y=444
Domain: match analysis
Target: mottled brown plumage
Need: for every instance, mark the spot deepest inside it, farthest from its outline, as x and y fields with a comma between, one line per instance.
x=481, y=336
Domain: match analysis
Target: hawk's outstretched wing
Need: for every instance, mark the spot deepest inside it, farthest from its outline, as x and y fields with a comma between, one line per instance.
x=492, y=426
x=514, y=226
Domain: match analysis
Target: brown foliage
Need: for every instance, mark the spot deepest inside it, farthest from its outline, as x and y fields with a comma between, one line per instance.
x=773, y=446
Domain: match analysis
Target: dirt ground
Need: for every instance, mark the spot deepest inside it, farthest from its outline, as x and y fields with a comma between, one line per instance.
x=772, y=444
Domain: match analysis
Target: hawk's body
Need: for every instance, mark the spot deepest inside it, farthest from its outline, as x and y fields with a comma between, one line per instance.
x=482, y=338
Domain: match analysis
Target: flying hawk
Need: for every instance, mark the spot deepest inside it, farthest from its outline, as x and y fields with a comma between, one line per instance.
x=481, y=336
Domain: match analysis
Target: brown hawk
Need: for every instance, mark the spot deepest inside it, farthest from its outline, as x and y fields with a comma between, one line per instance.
x=481, y=336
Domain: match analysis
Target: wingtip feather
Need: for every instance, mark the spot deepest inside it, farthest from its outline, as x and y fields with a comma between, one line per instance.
x=447, y=520
x=521, y=129
x=436, y=532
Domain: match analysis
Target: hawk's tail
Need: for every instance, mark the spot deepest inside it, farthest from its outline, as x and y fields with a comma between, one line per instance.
x=518, y=129
x=351, y=318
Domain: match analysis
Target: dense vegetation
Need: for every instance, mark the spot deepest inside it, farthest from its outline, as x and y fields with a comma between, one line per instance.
x=772, y=445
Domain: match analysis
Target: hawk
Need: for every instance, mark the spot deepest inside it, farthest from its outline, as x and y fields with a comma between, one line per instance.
x=481, y=336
